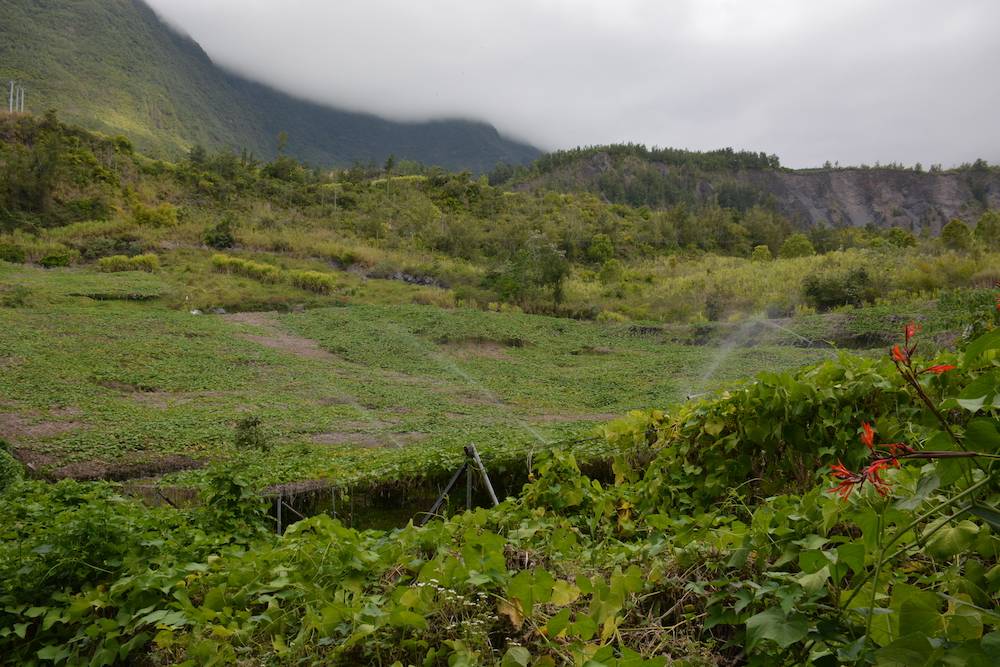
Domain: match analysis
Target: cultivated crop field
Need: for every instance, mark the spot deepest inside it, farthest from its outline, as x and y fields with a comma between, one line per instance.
x=115, y=384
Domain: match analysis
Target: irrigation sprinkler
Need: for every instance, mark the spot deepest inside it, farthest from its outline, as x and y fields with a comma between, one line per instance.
x=472, y=461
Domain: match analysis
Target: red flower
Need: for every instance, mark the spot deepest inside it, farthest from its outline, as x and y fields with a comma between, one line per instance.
x=910, y=330
x=848, y=480
x=868, y=437
x=871, y=473
x=940, y=368
x=900, y=355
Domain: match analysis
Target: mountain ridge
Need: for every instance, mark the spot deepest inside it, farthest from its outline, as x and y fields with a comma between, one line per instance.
x=850, y=196
x=114, y=66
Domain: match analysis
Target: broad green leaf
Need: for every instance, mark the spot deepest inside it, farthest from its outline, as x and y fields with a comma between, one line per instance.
x=53, y=653
x=916, y=616
x=981, y=435
x=982, y=391
x=927, y=485
x=913, y=650
x=402, y=618
x=558, y=623
x=976, y=349
x=564, y=593
x=516, y=656
x=584, y=627
x=813, y=582
x=963, y=620
x=951, y=540
x=853, y=555
x=772, y=624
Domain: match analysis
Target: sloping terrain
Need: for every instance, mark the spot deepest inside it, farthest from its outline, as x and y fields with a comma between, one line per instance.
x=113, y=66
x=107, y=386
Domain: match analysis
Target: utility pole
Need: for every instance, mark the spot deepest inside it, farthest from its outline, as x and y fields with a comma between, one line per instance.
x=10, y=103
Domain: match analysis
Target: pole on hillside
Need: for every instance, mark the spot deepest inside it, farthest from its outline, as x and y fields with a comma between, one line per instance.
x=278, y=512
x=23, y=93
x=473, y=453
x=444, y=494
x=10, y=101
x=468, y=487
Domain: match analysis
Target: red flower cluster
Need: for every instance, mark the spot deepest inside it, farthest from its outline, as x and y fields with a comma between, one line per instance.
x=903, y=355
x=883, y=457
x=887, y=455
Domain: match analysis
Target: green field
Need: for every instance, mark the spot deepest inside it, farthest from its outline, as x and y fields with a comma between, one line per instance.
x=106, y=386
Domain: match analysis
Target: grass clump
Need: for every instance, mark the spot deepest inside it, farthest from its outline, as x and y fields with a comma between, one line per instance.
x=313, y=281
x=119, y=263
x=164, y=215
x=267, y=273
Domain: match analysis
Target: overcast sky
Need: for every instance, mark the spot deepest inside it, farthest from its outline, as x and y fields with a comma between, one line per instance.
x=850, y=81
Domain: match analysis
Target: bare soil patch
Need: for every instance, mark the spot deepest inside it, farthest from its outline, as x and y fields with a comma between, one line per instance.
x=32, y=460
x=470, y=349
x=276, y=338
x=475, y=346
x=367, y=440
x=95, y=470
x=20, y=426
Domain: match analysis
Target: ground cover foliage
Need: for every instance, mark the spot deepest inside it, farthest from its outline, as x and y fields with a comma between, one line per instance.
x=99, y=375
x=721, y=539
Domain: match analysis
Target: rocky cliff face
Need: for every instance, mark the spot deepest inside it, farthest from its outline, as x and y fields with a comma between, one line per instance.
x=853, y=196
x=882, y=197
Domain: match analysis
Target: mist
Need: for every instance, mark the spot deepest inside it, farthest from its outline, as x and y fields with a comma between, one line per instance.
x=850, y=82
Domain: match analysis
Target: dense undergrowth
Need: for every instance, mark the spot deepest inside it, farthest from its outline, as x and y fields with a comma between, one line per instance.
x=74, y=198
x=718, y=542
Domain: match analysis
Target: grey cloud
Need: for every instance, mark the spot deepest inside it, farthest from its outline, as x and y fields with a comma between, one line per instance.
x=852, y=81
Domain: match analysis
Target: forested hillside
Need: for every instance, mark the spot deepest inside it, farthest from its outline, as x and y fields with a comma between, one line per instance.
x=881, y=195
x=113, y=66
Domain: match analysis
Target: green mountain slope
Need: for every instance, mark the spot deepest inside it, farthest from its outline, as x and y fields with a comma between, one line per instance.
x=113, y=66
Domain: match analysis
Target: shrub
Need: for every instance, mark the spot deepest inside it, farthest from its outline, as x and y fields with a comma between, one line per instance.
x=250, y=434
x=852, y=288
x=797, y=245
x=117, y=263
x=57, y=259
x=956, y=236
x=901, y=238
x=13, y=253
x=761, y=253
x=611, y=316
x=164, y=215
x=601, y=249
x=313, y=281
x=987, y=230
x=220, y=236
x=611, y=272
x=104, y=246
